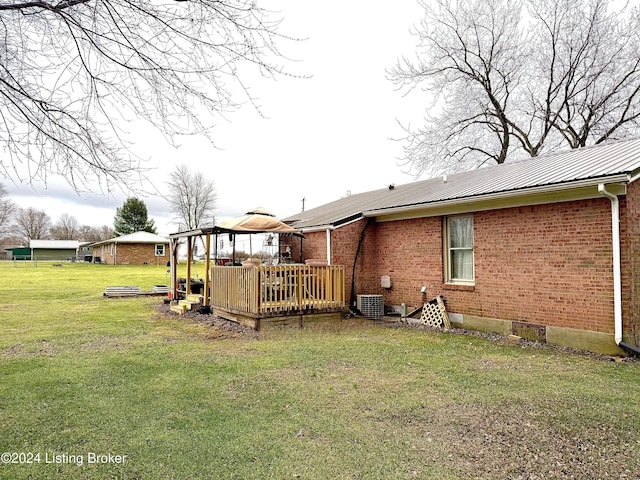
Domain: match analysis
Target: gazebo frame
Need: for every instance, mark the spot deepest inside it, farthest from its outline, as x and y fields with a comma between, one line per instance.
x=263, y=295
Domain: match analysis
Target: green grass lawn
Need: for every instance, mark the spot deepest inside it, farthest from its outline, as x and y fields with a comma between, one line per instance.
x=82, y=375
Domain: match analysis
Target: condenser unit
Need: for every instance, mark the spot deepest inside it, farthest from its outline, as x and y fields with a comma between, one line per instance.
x=371, y=306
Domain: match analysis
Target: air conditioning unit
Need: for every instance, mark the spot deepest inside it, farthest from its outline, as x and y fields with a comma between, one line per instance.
x=371, y=306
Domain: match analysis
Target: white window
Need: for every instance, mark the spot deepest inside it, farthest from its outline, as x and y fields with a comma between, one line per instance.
x=459, y=249
x=159, y=250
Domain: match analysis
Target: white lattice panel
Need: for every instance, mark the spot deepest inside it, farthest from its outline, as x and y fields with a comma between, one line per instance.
x=434, y=314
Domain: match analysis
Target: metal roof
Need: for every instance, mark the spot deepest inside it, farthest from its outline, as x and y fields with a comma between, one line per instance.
x=54, y=244
x=613, y=162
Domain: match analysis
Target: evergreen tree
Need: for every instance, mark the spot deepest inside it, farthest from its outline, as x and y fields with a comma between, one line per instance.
x=132, y=217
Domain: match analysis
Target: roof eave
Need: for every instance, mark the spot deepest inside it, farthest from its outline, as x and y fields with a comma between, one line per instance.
x=575, y=190
x=191, y=233
x=332, y=225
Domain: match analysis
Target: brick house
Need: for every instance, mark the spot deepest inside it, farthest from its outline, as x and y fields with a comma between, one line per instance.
x=546, y=248
x=137, y=248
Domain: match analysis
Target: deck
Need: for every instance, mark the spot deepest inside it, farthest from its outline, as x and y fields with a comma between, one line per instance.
x=275, y=295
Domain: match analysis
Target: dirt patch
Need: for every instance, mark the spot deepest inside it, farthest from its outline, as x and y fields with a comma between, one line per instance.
x=105, y=344
x=515, y=443
x=41, y=347
x=220, y=327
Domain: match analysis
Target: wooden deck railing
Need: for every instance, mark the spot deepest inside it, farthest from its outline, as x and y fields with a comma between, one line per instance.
x=273, y=290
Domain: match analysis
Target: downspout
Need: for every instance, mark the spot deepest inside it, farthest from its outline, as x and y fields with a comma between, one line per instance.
x=617, y=275
x=328, y=246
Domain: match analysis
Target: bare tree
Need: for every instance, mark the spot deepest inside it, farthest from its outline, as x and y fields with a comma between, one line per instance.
x=66, y=228
x=505, y=84
x=192, y=198
x=590, y=70
x=31, y=224
x=96, y=234
x=74, y=73
x=7, y=210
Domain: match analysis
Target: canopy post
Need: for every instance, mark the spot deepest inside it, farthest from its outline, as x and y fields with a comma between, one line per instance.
x=173, y=259
x=207, y=272
x=232, y=237
x=187, y=283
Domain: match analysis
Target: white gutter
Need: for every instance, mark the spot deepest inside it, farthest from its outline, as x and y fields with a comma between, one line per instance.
x=500, y=195
x=633, y=177
x=617, y=277
x=317, y=228
x=327, y=226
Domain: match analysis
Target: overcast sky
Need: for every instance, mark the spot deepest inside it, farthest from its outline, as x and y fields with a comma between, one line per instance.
x=323, y=136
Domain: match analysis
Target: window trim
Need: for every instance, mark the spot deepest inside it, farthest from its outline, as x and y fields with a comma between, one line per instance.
x=447, y=253
x=156, y=249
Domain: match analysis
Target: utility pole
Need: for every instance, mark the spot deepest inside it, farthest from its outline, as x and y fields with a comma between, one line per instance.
x=303, y=200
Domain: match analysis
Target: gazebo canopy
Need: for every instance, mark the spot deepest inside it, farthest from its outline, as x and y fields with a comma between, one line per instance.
x=258, y=220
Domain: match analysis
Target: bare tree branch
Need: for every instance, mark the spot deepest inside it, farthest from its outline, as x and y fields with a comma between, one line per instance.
x=66, y=228
x=7, y=212
x=74, y=73
x=568, y=73
x=31, y=224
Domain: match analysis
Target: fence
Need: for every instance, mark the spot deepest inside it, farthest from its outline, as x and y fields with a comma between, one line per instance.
x=32, y=261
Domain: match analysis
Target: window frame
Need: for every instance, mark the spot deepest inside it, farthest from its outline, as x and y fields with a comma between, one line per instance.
x=156, y=249
x=448, y=267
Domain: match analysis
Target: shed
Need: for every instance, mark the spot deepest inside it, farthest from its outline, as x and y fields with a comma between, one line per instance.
x=18, y=253
x=137, y=248
x=546, y=248
x=54, y=250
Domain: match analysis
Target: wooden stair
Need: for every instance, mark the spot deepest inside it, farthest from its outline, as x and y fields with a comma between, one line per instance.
x=183, y=305
x=181, y=309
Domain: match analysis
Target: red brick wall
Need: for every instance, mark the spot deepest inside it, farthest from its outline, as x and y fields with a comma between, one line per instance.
x=545, y=264
x=105, y=254
x=631, y=281
x=344, y=243
x=313, y=246
x=140, y=253
x=134, y=254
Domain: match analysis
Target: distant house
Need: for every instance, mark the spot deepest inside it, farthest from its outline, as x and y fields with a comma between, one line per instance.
x=137, y=248
x=547, y=248
x=54, y=250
